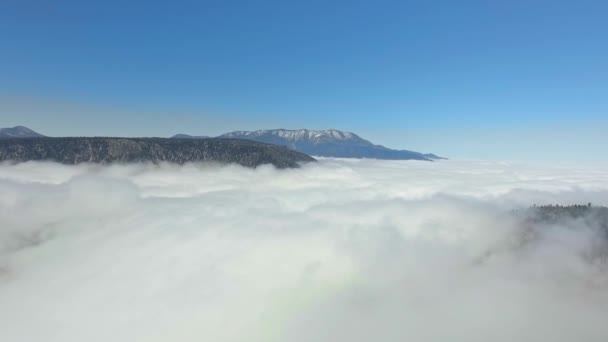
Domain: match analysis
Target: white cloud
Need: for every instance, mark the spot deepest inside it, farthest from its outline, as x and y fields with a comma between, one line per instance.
x=341, y=250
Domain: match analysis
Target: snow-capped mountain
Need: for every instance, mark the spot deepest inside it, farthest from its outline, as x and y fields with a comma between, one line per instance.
x=297, y=134
x=19, y=132
x=324, y=143
x=296, y=137
x=327, y=143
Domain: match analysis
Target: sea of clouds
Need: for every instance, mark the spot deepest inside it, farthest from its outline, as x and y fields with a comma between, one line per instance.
x=340, y=250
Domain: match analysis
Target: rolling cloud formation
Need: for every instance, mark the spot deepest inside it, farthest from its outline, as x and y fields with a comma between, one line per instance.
x=340, y=250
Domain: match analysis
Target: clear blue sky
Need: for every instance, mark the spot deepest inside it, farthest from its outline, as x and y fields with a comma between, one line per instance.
x=466, y=79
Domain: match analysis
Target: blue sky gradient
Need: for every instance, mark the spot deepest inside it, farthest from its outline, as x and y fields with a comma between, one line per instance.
x=466, y=79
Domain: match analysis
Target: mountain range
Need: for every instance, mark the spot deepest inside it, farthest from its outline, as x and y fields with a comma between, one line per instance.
x=325, y=143
x=109, y=150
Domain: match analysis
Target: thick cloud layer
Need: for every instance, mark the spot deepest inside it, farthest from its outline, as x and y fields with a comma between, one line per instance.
x=340, y=250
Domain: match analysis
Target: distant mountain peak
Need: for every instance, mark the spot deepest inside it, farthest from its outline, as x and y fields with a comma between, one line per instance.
x=327, y=143
x=297, y=134
x=19, y=132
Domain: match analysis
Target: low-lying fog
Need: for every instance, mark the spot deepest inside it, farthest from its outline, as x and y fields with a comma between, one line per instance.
x=341, y=250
